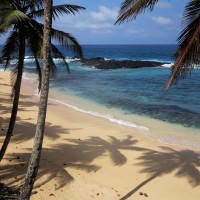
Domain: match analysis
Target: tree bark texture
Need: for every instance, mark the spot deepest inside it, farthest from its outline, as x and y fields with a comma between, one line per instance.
x=37, y=147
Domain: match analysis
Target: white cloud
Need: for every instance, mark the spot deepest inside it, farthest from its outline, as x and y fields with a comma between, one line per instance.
x=162, y=20
x=103, y=19
x=104, y=14
x=89, y=25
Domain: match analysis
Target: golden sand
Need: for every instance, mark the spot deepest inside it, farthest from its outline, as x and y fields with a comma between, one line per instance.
x=86, y=157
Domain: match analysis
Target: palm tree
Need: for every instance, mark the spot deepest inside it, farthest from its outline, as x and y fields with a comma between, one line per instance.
x=37, y=148
x=187, y=53
x=47, y=61
x=19, y=19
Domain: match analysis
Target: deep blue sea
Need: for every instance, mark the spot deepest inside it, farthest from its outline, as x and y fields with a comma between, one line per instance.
x=121, y=95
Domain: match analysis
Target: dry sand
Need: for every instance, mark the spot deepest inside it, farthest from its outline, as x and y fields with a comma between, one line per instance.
x=86, y=157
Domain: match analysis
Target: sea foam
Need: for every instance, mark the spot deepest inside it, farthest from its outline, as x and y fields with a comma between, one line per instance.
x=168, y=65
x=105, y=116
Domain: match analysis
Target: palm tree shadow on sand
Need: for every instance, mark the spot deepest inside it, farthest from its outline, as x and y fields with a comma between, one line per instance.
x=79, y=154
x=185, y=163
x=95, y=147
x=6, y=101
x=75, y=153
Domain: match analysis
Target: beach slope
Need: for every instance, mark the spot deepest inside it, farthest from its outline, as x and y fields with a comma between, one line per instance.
x=86, y=157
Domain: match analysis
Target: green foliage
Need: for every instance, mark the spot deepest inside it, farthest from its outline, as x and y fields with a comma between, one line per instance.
x=130, y=9
x=13, y=17
x=19, y=18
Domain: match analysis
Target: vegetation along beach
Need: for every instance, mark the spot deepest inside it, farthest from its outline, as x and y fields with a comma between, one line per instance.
x=123, y=114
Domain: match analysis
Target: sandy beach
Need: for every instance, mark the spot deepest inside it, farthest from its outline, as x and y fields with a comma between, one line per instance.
x=86, y=157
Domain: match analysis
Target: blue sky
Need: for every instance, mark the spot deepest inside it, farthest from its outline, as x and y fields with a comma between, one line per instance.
x=95, y=25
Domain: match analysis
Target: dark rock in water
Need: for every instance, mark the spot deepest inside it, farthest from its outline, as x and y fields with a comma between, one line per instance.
x=101, y=63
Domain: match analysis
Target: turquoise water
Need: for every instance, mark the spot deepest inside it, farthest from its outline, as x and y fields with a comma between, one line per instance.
x=126, y=95
x=138, y=91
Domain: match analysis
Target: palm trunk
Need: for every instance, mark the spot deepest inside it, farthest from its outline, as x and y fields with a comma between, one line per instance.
x=17, y=88
x=37, y=148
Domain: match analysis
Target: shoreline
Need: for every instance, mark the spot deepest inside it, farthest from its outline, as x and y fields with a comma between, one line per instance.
x=141, y=128
x=145, y=125
x=87, y=157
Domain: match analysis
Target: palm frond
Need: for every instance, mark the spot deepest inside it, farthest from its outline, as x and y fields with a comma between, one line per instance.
x=66, y=9
x=35, y=5
x=34, y=40
x=10, y=47
x=187, y=54
x=130, y=9
x=57, y=53
x=192, y=11
x=59, y=10
x=13, y=17
x=52, y=69
x=4, y=8
x=4, y=2
x=39, y=72
x=67, y=41
x=34, y=37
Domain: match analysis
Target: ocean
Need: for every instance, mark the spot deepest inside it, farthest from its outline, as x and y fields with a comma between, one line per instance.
x=131, y=97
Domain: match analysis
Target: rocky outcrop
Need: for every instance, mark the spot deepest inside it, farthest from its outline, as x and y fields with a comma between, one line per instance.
x=101, y=63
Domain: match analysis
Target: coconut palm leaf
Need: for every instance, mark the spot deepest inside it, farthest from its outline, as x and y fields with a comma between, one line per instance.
x=10, y=47
x=26, y=33
x=67, y=41
x=187, y=55
x=39, y=72
x=59, y=10
x=35, y=43
x=4, y=8
x=64, y=39
x=130, y=9
x=34, y=37
x=58, y=54
x=35, y=5
x=31, y=6
x=53, y=69
x=13, y=17
x=65, y=9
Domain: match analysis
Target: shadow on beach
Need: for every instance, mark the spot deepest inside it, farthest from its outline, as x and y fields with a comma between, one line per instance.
x=75, y=153
x=184, y=163
x=81, y=154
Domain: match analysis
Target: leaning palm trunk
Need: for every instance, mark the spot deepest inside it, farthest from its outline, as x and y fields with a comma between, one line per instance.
x=17, y=87
x=37, y=148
